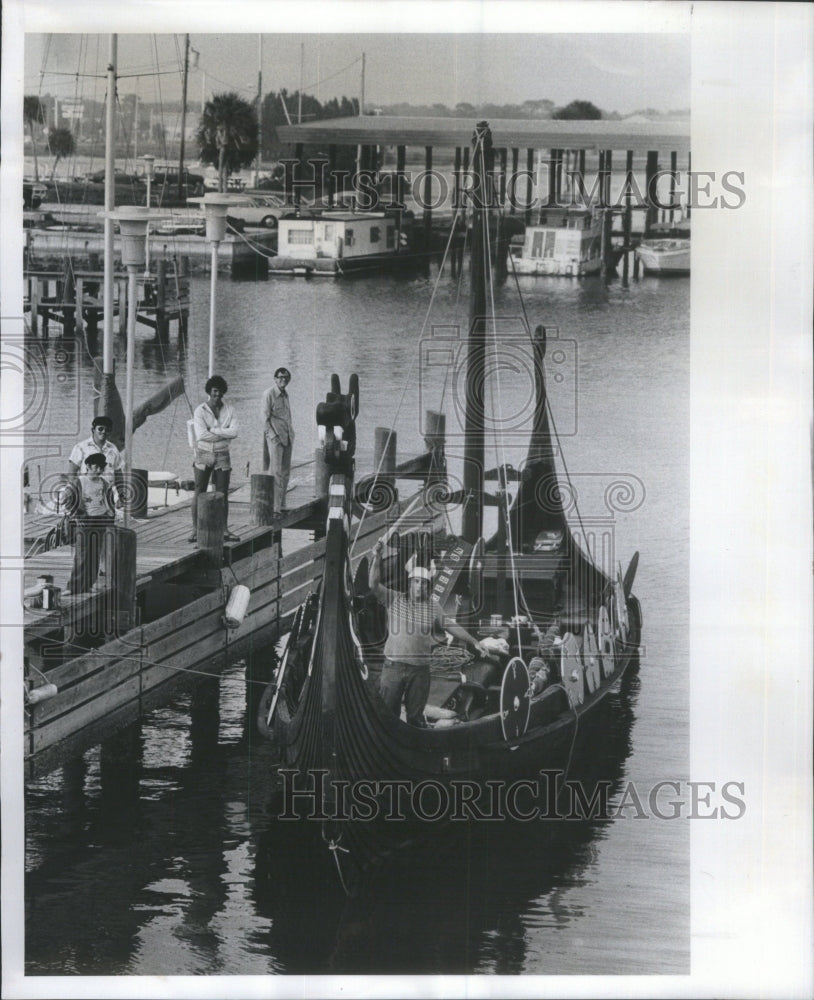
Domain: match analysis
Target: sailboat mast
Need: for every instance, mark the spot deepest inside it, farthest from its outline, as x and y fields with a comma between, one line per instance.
x=259, y=110
x=107, y=285
x=183, y=119
x=474, y=441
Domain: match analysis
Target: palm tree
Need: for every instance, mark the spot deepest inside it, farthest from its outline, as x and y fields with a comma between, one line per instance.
x=60, y=144
x=33, y=111
x=578, y=111
x=227, y=134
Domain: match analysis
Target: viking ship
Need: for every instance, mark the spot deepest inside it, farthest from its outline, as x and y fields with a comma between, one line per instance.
x=562, y=629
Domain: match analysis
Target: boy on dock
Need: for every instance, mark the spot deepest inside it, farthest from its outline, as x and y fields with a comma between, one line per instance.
x=93, y=504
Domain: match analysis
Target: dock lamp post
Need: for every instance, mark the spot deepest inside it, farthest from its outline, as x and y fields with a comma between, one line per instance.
x=216, y=208
x=133, y=223
x=149, y=165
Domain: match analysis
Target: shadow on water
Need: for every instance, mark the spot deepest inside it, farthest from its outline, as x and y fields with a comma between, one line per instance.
x=455, y=904
x=136, y=839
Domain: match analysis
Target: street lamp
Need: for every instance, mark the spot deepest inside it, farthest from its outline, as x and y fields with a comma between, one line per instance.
x=133, y=224
x=149, y=164
x=216, y=208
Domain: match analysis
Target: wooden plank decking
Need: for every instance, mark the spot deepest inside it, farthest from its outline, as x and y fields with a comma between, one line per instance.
x=100, y=690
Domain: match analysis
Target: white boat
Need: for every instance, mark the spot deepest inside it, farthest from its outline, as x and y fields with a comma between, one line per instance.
x=566, y=241
x=336, y=242
x=667, y=256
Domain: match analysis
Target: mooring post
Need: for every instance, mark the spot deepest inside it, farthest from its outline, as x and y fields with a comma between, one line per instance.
x=435, y=425
x=162, y=326
x=261, y=504
x=513, y=192
x=34, y=299
x=322, y=480
x=322, y=476
x=427, y=207
x=651, y=184
x=120, y=570
x=211, y=525
x=120, y=764
x=673, y=171
x=68, y=300
x=607, y=242
x=183, y=294
x=628, y=213
x=530, y=197
x=135, y=493
x=79, y=318
x=204, y=718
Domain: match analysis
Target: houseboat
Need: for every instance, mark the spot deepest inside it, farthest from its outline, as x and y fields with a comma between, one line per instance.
x=566, y=241
x=333, y=243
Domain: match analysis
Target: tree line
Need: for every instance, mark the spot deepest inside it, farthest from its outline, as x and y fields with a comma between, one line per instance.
x=227, y=132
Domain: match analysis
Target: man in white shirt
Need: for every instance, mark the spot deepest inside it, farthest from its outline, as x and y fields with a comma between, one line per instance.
x=98, y=442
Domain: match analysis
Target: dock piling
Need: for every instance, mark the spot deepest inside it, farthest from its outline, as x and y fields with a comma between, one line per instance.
x=261, y=504
x=120, y=569
x=212, y=525
x=322, y=475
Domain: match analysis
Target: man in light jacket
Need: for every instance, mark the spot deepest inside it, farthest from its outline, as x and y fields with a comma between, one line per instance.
x=215, y=425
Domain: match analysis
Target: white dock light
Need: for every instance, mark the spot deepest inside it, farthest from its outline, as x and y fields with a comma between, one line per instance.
x=216, y=208
x=133, y=223
x=149, y=167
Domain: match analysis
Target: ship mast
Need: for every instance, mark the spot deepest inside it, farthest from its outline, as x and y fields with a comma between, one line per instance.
x=474, y=438
x=183, y=120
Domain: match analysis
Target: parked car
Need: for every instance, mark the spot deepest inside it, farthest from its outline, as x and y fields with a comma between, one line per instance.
x=189, y=224
x=260, y=209
x=168, y=180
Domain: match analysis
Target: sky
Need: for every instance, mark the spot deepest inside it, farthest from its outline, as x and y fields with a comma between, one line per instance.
x=618, y=72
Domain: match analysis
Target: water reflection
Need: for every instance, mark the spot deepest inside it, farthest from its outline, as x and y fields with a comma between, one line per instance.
x=466, y=901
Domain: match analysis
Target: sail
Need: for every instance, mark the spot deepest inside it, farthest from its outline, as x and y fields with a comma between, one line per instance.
x=539, y=502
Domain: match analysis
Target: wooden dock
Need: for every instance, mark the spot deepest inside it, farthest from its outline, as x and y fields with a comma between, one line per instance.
x=102, y=682
x=72, y=300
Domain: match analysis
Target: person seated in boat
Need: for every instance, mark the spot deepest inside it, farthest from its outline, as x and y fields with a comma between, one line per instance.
x=414, y=621
x=550, y=642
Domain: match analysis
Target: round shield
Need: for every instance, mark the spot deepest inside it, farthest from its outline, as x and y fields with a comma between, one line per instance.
x=606, y=644
x=590, y=654
x=573, y=676
x=514, y=699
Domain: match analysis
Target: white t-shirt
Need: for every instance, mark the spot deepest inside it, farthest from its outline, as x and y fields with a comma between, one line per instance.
x=90, y=447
